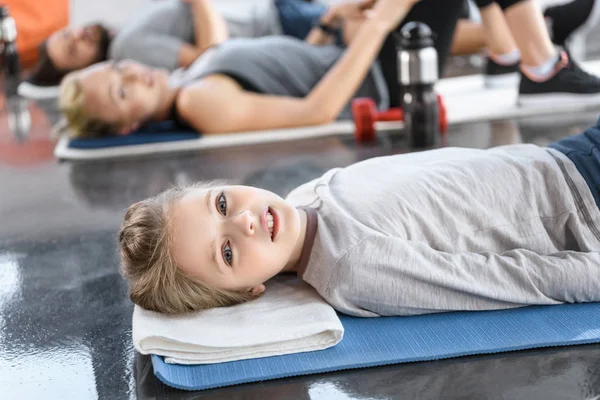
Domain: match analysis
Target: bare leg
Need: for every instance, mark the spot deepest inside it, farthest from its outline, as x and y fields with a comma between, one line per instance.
x=469, y=38
x=498, y=34
x=527, y=25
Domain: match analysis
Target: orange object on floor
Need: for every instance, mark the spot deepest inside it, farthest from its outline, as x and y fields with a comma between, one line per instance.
x=36, y=20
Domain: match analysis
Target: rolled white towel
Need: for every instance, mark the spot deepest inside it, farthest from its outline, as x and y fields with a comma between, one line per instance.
x=34, y=92
x=290, y=317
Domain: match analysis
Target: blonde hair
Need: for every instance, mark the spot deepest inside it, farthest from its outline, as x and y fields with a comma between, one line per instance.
x=156, y=282
x=78, y=122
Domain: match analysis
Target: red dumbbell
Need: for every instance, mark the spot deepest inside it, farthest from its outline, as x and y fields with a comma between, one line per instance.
x=365, y=115
x=443, y=115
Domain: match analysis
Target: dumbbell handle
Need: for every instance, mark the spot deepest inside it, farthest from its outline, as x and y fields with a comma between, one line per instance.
x=393, y=114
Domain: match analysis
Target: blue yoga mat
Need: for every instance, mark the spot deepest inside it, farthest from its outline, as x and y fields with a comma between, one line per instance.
x=371, y=342
x=158, y=132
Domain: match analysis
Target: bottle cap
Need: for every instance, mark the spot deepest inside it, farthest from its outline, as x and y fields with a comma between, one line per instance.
x=416, y=35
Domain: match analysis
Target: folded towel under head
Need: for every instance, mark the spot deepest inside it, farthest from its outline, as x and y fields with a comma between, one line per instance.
x=290, y=317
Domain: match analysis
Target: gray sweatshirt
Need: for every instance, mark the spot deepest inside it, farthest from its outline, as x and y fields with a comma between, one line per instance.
x=453, y=229
x=155, y=36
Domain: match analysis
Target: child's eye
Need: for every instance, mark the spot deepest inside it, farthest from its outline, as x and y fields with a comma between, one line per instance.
x=227, y=254
x=222, y=204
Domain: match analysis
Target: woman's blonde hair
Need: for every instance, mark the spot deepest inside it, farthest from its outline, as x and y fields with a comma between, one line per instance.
x=78, y=122
x=156, y=282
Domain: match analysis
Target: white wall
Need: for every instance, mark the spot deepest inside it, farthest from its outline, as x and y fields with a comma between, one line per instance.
x=117, y=12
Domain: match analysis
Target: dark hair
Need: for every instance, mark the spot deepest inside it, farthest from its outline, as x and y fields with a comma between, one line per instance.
x=46, y=73
x=106, y=38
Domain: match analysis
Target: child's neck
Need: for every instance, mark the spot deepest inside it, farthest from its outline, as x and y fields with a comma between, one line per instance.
x=292, y=265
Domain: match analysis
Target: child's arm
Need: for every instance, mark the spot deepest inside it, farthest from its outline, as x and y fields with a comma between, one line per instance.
x=391, y=276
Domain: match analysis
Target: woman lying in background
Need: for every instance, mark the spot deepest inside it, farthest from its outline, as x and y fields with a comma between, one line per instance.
x=167, y=34
x=282, y=82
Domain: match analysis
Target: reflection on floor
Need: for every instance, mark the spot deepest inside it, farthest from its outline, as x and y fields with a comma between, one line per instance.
x=65, y=319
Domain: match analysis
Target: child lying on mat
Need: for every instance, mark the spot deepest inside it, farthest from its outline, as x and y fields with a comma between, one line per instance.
x=443, y=230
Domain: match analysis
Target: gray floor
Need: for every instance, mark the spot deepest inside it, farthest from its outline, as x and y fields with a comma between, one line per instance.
x=65, y=320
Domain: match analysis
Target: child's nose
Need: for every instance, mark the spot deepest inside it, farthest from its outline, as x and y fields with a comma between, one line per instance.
x=245, y=223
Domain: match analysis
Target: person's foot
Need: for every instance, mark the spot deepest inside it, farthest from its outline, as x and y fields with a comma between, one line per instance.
x=499, y=76
x=574, y=18
x=568, y=83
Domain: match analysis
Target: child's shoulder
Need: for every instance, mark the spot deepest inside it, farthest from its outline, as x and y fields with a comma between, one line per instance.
x=306, y=194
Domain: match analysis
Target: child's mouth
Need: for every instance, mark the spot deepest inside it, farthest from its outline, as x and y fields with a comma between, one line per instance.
x=272, y=223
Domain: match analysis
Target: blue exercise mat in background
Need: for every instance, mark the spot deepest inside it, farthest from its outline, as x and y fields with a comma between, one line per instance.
x=158, y=132
x=371, y=342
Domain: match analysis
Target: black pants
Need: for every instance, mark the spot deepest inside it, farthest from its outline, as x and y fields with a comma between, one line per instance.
x=441, y=16
x=504, y=4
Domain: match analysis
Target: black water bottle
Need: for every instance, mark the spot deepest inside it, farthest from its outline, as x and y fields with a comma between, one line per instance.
x=19, y=119
x=417, y=75
x=10, y=57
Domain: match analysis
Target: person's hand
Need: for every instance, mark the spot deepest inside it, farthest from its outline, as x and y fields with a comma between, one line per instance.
x=390, y=13
x=340, y=13
x=354, y=9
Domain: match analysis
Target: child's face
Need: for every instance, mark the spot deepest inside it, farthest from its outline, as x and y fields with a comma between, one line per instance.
x=223, y=236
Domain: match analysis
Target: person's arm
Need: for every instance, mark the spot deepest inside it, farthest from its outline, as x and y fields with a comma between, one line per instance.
x=146, y=42
x=394, y=276
x=318, y=36
x=210, y=28
x=233, y=110
x=349, y=13
x=187, y=54
x=217, y=104
x=329, y=97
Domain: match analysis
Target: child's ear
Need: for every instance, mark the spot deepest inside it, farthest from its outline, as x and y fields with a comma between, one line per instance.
x=257, y=290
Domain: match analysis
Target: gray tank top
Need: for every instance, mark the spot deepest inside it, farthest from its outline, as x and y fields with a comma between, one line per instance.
x=278, y=65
